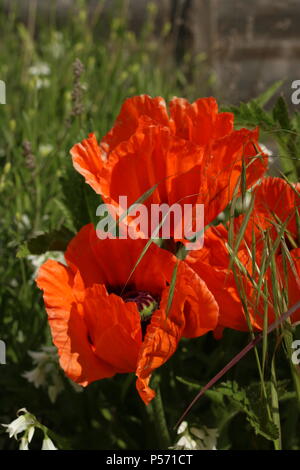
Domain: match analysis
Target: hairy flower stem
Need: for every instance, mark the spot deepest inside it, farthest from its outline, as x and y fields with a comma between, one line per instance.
x=159, y=419
x=275, y=406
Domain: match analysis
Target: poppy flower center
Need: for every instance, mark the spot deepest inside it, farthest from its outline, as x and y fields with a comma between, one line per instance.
x=145, y=302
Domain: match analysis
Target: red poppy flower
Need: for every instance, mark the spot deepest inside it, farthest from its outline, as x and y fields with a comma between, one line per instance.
x=211, y=263
x=104, y=321
x=275, y=207
x=193, y=154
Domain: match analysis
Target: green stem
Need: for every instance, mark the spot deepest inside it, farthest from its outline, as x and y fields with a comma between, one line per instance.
x=275, y=405
x=159, y=418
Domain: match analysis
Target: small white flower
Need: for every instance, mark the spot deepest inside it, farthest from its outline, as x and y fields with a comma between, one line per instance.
x=271, y=158
x=55, y=389
x=38, y=260
x=199, y=433
x=30, y=433
x=39, y=69
x=183, y=426
x=47, y=371
x=221, y=216
x=42, y=83
x=23, y=221
x=48, y=444
x=22, y=423
x=195, y=438
x=35, y=376
x=24, y=444
x=46, y=353
x=243, y=205
x=186, y=443
x=56, y=45
x=266, y=150
x=27, y=423
x=27, y=438
x=45, y=149
x=13, y=283
x=206, y=438
x=211, y=439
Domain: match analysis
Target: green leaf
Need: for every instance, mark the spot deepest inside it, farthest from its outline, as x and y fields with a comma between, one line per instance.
x=79, y=198
x=257, y=414
x=23, y=251
x=281, y=114
x=57, y=240
x=172, y=288
x=190, y=383
x=249, y=401
x=262, y=99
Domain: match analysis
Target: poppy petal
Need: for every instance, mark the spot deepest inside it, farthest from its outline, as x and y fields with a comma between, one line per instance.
x=160, y=342
x=193, y=157
x=222, y=169
x=200, y=308
x=128, y=119
x=221, y=283
x=192, y=313
x=115, y=328
x=200, y=121
x=88, y=159
x=68, y=329
x=111, y=261
x=80, y=256
x=289, y=274
x=276, y=200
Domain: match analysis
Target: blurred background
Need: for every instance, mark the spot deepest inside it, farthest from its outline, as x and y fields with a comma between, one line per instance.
x=232, y=48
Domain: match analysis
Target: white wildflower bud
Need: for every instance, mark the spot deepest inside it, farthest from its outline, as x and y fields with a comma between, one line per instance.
x=24, y=444
x=48, y=444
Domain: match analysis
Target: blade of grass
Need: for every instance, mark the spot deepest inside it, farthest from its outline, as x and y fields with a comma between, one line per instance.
x=275, y=405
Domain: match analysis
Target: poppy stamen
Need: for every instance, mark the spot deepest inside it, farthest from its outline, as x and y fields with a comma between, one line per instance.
x=145, y=302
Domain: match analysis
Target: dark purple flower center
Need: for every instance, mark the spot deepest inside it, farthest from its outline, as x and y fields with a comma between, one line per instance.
x=145, y=302
x=146, y=305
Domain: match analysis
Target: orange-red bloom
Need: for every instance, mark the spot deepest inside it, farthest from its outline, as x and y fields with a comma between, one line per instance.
x=275, y=207
x=104, y=321
x=193, y=154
